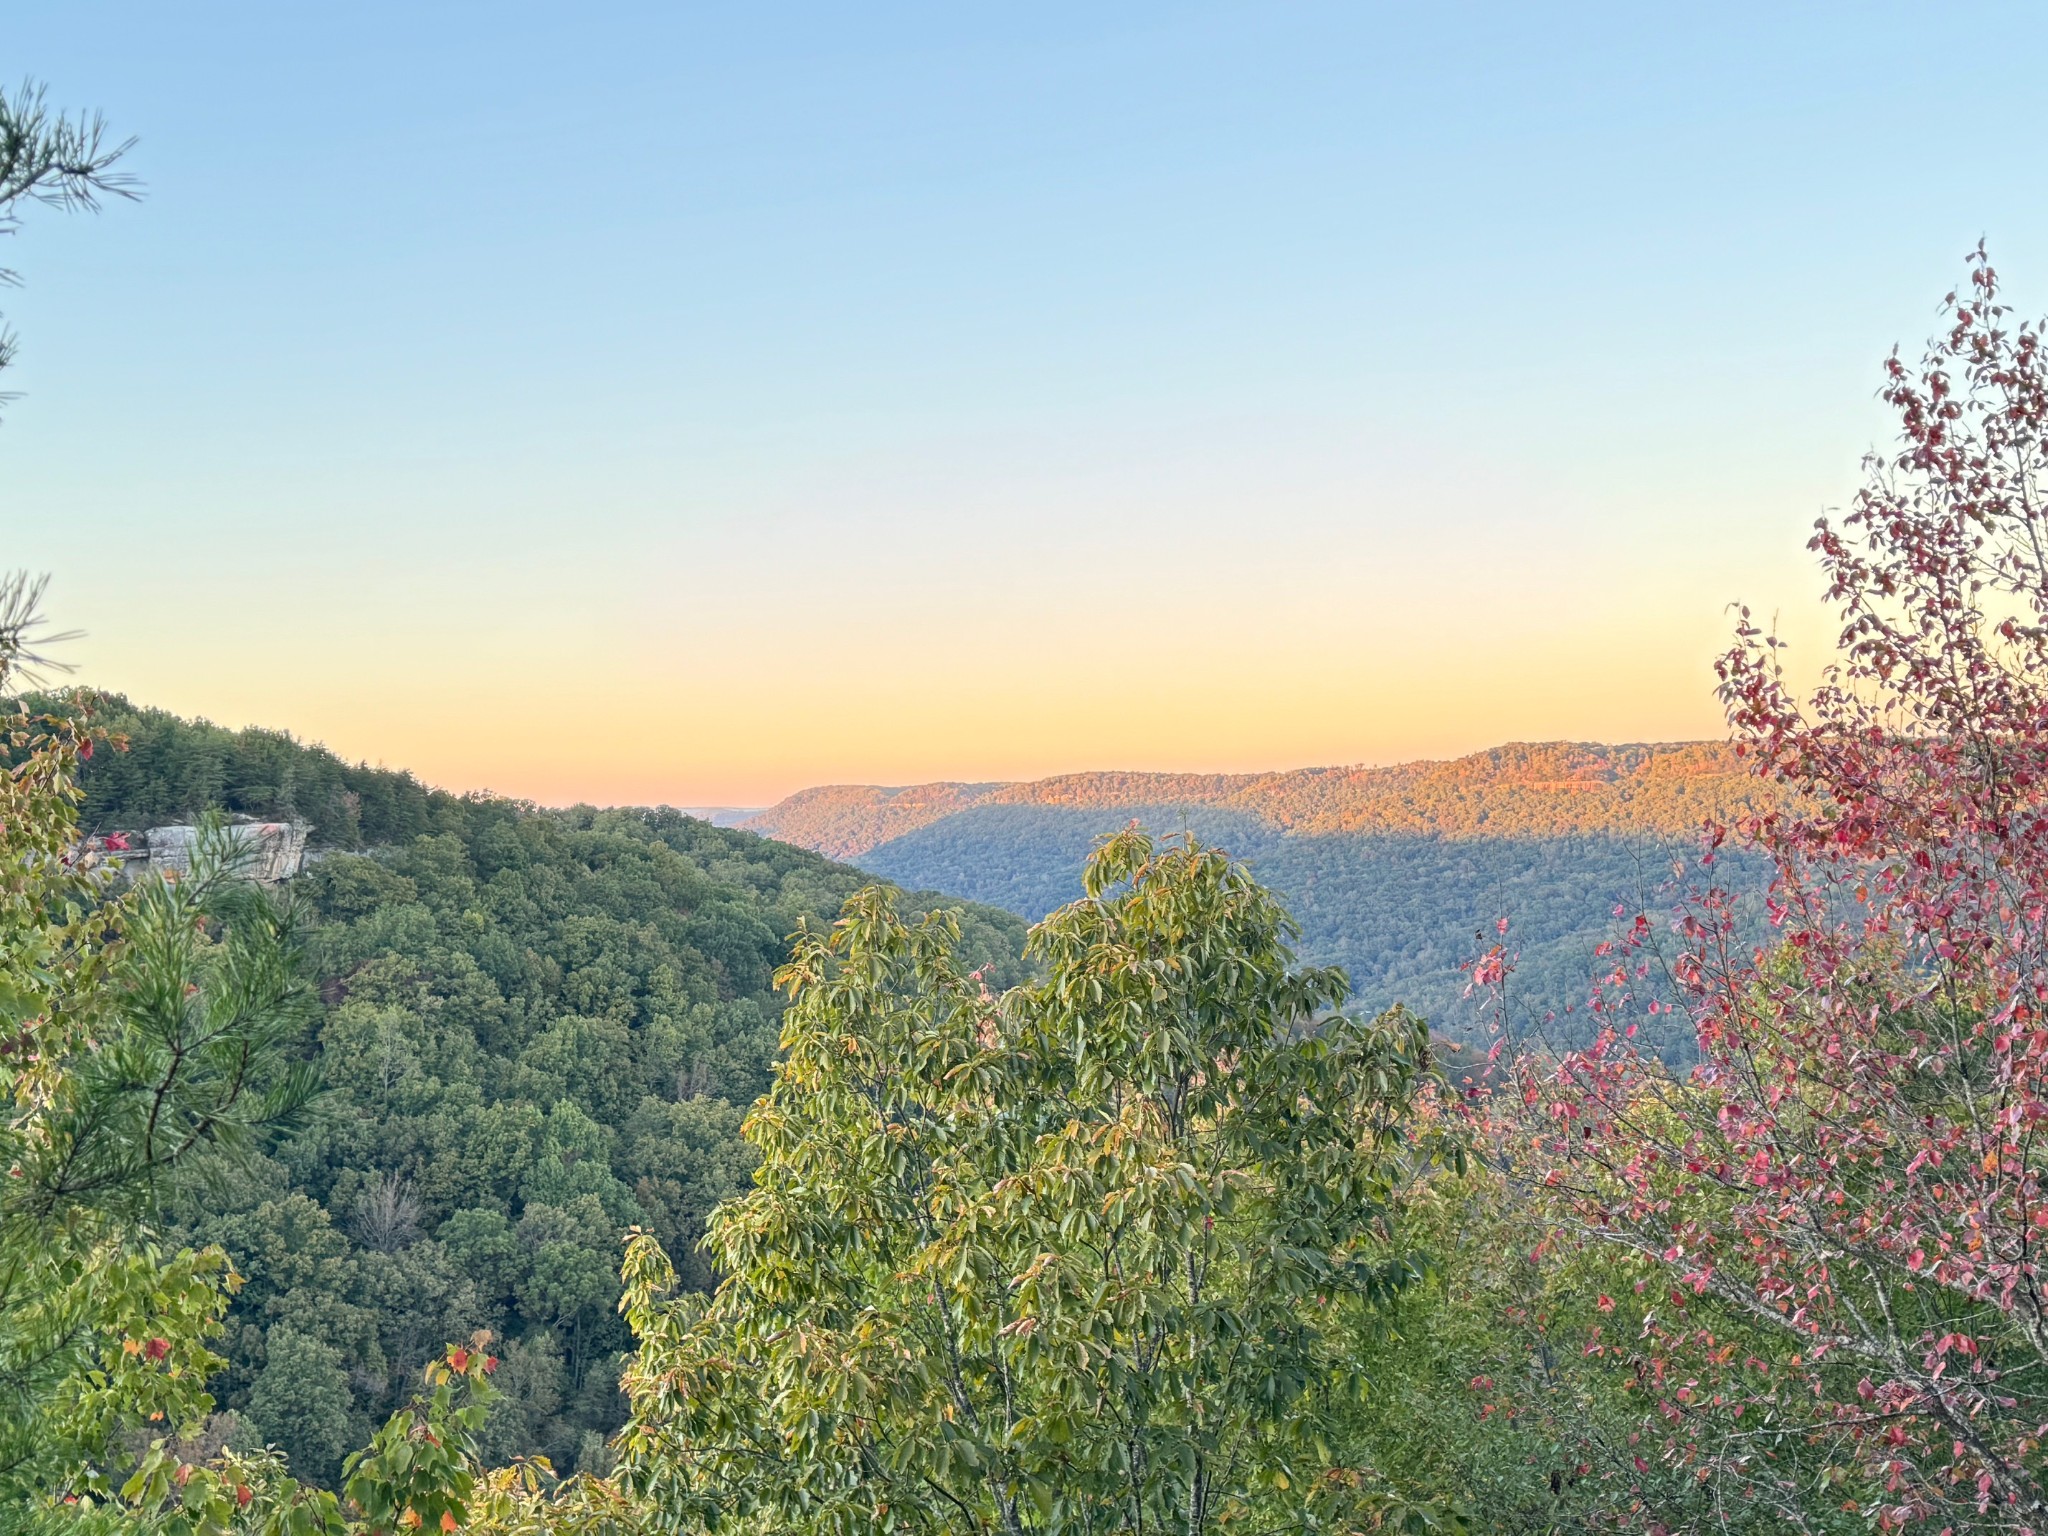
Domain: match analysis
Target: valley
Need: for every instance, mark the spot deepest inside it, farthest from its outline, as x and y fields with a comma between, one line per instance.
x=1399, y=874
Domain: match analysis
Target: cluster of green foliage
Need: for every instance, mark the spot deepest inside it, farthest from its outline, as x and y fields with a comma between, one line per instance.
x=1155, y=1241
x=144, y=1035
x=150, y=1047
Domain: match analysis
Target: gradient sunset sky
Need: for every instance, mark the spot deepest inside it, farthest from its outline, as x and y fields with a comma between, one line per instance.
x=692, y=403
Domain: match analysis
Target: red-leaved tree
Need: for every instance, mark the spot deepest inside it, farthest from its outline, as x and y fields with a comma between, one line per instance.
x=1835, y=1223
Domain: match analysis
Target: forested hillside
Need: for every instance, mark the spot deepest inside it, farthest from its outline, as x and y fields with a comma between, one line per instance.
x=1398, y=874
x=537, y=1028
x=173, y=768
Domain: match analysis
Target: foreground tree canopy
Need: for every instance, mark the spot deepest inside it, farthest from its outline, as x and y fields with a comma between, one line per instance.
x=1086, y=1255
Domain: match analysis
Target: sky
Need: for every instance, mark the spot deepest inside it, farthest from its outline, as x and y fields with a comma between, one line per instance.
x=688, y=404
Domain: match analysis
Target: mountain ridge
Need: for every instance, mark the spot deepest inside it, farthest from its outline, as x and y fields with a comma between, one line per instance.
x=1400, y=874
x=1546, y=789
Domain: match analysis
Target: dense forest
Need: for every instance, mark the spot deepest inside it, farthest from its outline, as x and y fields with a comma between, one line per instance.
x=536, y=1030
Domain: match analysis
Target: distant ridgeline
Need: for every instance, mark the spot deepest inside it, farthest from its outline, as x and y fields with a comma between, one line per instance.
x=1398, y=874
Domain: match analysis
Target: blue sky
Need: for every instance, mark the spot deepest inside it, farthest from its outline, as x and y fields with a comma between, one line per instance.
x=896, y=392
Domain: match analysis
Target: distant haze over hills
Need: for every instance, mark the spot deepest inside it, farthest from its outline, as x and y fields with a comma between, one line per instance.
x=721, y=815
x=1397, y=873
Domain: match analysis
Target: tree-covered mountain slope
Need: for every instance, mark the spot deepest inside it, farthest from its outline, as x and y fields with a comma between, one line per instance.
x=170, y=769
x=537, y=1029
x=1399, y=874
x=1522, y=789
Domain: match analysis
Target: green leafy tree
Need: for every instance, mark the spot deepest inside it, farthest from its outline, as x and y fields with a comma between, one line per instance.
x=571, y=1283
x=141, y=1037
x=419, y=1473
x=1069, y=1257
x=483, y=1246
x=301, y=1403
x=529, y=1381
